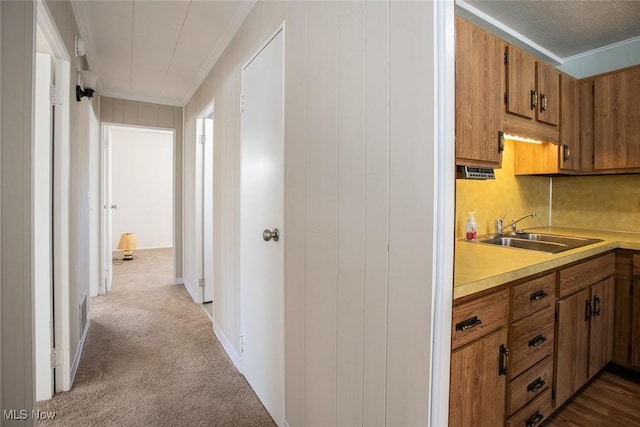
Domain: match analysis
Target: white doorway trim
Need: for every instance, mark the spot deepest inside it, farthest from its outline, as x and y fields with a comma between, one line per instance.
x=442, y=282
x=205, y=203
x=61, y=198
x=106, y=268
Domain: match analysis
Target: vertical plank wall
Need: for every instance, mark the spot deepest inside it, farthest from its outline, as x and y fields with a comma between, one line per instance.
x=359, y=155
x=17, y=28
x=137, y=113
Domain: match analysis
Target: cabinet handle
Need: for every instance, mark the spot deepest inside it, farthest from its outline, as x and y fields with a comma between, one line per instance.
x=538, y=295
x=588, y=310
x=537, y=340
x=534, y=419
x=504, y=360
x=536, y=385
x=596, y=306
x=471, y=322
x=543, y=103
x=500, y=141
x=566, y=153
x=534, y=99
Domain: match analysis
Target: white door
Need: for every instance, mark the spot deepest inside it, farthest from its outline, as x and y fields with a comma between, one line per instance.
x=207, y=211
x=107, y=209
x=262, y=210
x=43, y=227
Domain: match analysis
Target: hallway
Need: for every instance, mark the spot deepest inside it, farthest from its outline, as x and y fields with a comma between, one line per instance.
x=151, y=359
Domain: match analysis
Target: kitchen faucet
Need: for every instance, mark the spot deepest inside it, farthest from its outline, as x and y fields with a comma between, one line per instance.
x=500, y=227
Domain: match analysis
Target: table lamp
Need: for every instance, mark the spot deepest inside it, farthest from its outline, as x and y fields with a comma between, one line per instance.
x=127, y=243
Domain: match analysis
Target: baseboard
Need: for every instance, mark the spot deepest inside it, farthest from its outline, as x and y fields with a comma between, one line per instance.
x=76, y=359
x=178, y=281
x=226, y=344
x=286, y=424
x=191, y=291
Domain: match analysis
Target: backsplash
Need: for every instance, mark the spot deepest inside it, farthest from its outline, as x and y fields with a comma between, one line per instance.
x=597, y=202
x=490, y=199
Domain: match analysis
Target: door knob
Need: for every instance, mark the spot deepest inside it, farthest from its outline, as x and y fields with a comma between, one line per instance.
x=271, y=235
x=114, y=206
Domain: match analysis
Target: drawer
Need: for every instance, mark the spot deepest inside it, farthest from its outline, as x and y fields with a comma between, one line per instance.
x=636, y=265
x=532, y=296
x=534, y=413
x=531, y=340
x=476, y=318
x=529, y=385
x=580, y=276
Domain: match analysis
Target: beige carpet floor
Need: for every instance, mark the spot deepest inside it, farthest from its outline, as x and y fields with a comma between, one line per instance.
x=151, y=359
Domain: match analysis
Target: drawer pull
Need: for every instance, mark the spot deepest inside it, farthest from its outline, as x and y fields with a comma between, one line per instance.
x=534, y=419
x=536, y=385
x=471, y=322
x=504, y=360
x=537, y=340
x=538, y=295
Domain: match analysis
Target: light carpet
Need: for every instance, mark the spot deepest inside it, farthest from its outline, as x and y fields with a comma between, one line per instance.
x=151, y=359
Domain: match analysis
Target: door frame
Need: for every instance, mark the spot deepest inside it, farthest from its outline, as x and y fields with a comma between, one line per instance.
x=280, y=29
x=198, y=295
x=61, y=198
x=106, y=250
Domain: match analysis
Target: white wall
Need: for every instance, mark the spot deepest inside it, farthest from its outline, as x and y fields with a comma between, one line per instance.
x=142, y=185
x=360, y=179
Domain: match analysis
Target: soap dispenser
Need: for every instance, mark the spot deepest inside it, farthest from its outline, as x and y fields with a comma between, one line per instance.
x=471, y=227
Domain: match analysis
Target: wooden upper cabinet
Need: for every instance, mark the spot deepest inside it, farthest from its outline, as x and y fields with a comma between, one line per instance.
x=479, y=96
x=548, y=85
x=521, y=97
x=616, y=120
x=569, y=155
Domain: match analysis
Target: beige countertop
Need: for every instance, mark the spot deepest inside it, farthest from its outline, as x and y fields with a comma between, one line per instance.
x=478, y=267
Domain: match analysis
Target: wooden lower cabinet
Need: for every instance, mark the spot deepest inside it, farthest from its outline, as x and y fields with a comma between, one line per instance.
x=584, y=337
x=601, y=333
x=626, y=334
x=572, y=345
x=478, y=382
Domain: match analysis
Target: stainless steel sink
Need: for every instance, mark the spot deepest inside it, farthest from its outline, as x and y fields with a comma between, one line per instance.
x=549, y=243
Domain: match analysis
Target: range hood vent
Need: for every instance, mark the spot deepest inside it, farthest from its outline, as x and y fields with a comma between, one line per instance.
x=470, y=172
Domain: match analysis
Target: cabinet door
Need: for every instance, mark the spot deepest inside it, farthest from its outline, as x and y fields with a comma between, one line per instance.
x=477, y=385
x=569, y=124
x=479, y=89
x=548, y=85
x=601, y=339
x=572, y=345
x=616, y=109
x=635, y=325
x=522, y=97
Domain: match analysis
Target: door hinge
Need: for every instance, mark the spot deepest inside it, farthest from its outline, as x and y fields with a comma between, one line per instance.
x=556, y=317
x=506, y=98
x=593, y=159
x=201, y=282
x=593, y=89
x=54, y=96
x=553, y=393
x=203, y=139
x=241, y=343
x=506, y=58
x=242, y=103
x=53, y=358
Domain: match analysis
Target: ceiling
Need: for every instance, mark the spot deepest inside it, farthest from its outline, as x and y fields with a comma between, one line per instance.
x=560, y=29
x=161, y=51
x=156, y=51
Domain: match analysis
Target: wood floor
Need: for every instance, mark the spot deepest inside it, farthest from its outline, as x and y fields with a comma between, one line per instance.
x=612, y=399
